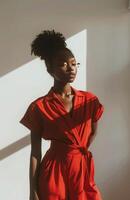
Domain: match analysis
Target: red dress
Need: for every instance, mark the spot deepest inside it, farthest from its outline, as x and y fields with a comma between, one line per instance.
x=67, y=168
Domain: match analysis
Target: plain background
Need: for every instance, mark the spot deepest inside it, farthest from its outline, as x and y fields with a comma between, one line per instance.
x=108, y=61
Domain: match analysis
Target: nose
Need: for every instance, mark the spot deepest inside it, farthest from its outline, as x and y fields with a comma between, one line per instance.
x=71, y=67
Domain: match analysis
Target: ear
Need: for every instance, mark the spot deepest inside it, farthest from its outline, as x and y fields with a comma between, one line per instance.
x=53, y=75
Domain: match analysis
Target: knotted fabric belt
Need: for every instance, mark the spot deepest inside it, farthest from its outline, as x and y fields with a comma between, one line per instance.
x=63, y=147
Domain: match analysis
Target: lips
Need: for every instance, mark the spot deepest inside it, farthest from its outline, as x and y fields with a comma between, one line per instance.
x=72, y=74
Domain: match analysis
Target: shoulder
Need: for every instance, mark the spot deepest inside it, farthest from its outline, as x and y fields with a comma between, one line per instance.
x=36, y=101
x=89, y=95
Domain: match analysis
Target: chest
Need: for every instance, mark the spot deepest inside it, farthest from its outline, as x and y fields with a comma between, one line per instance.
x=68, y=103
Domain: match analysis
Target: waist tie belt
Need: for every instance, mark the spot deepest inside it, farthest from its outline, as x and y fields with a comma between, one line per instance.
x=63, y=147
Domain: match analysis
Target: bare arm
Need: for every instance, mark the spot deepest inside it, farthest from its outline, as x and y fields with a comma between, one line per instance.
x=94, y=131
x=35, y=159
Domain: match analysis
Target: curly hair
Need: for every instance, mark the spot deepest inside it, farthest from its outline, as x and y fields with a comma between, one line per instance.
x=49, y=44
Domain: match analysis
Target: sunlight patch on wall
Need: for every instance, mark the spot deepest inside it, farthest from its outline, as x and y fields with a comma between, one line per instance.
x=18, y=89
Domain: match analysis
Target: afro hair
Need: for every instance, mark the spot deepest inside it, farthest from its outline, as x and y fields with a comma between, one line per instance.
x=47, y=43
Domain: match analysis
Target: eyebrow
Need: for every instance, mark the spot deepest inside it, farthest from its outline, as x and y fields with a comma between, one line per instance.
x=73, y=59
x=64, y=60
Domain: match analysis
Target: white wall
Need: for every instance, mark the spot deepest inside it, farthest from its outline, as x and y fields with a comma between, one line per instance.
x=108, y=69
x=18, y=89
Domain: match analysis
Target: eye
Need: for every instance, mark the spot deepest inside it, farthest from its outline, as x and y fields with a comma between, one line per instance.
x=65, y=64
x=76, y=64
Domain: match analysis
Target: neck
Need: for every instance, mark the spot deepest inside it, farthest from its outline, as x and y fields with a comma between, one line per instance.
x=62, y=88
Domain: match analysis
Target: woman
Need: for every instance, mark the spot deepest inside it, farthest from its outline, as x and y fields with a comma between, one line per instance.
x=68, y=117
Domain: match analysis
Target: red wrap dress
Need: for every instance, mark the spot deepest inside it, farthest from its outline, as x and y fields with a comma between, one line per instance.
x=67, y=168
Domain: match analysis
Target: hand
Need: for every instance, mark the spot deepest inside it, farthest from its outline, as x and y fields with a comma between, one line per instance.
x=34, y=196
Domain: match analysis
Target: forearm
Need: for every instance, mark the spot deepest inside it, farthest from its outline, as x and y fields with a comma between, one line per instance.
x=93, y=133
x=92, y=137
x=33, y=174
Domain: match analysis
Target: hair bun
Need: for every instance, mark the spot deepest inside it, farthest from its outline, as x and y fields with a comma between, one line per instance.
x=47, y=43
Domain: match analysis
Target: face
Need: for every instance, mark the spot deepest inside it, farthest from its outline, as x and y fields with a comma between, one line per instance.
x=64, y=69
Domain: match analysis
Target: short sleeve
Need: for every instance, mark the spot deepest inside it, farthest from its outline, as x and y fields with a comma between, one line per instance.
x=97, y=109
x=32, y=118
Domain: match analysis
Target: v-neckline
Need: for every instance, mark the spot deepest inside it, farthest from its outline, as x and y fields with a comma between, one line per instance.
x=70, y=113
